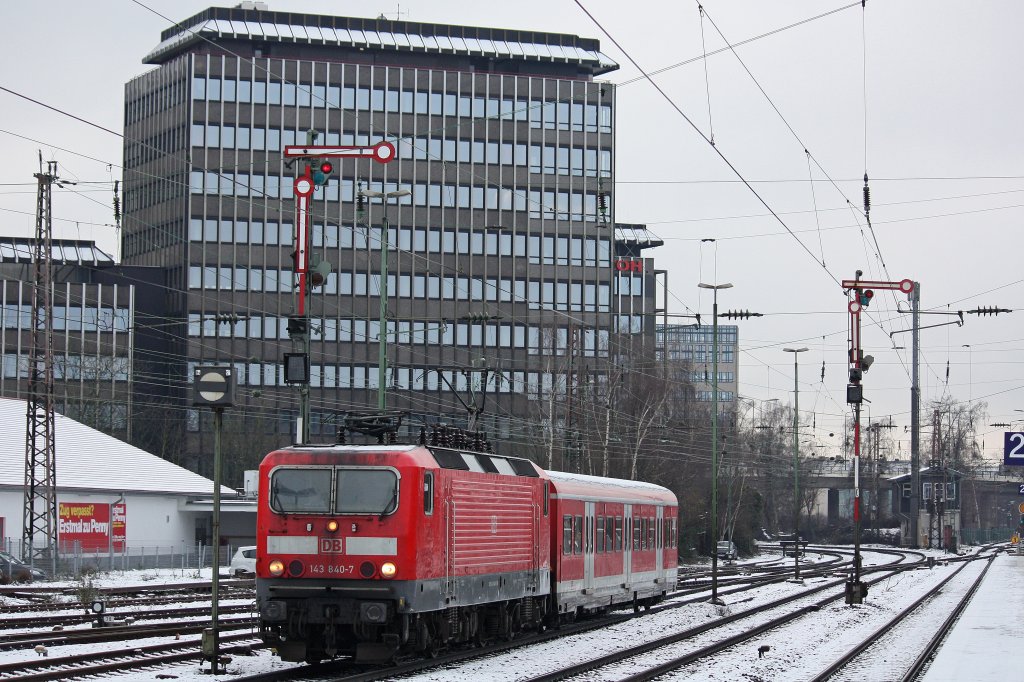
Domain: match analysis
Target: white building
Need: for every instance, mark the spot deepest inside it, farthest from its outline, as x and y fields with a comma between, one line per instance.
x=114, y=498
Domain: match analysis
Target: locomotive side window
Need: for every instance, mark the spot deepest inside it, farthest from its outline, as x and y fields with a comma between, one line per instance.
x=577, y=535
x=366, y=491
x=547, y=496
x=428, y=493
x=566, y=534
x=300, y=491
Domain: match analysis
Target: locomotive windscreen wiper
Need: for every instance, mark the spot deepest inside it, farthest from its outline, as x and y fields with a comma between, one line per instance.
x=390, y=506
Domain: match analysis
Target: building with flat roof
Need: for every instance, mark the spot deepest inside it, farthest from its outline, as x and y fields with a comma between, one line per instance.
x=108, y=352
x=115, y=500
x=690, y=347
x=501, y=258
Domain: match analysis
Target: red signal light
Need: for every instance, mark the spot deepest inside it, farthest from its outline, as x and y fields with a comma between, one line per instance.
x=326, y=167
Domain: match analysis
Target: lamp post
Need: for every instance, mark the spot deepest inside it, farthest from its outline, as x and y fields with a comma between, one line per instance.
x=796, y=460
x=714, y=436
x=383, y=330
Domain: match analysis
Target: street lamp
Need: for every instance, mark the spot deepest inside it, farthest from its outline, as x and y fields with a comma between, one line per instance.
x=796, y=461
x=714, y=437
x=383, y=331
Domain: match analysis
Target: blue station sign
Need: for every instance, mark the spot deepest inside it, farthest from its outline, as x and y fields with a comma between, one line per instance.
x=1013, y=448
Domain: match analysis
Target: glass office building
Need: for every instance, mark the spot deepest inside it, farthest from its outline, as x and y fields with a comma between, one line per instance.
x=500, y=257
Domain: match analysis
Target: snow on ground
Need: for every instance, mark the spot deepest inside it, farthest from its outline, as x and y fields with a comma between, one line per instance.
x=818, y=639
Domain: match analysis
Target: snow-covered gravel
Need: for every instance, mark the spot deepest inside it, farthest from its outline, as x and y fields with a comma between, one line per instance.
x=797, y=652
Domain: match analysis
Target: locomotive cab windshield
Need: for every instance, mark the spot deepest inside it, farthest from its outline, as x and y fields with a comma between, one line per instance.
x=337, y=490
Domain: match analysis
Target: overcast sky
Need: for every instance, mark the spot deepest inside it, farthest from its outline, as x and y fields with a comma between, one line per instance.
x=934, y=84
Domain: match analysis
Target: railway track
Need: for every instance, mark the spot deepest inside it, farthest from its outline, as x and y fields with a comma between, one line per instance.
x=120, y=661
x=343, y=670
x=70, y=619
x=346, y=670
x=23, y=640
x=846, y=667
x=751, y=622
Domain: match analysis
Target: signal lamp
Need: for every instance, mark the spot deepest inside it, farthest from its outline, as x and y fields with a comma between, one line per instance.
x=865, y=297
x=322, y=172
x=332, y=525
x=388, y=569
x=276, y=568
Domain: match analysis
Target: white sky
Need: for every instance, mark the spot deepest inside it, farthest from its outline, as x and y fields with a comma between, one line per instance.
x=943, y=148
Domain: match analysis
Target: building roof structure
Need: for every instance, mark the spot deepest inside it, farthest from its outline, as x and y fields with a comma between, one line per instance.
x=64, y=251
x=255, y=25
x=88, y=460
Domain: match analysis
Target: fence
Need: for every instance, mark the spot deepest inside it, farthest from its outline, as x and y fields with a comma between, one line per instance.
x=981, y=536
x=72, y=560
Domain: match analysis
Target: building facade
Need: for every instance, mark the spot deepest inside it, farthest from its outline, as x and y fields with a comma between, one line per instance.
x=691, y=348
x=106, y=371
x=500, y=275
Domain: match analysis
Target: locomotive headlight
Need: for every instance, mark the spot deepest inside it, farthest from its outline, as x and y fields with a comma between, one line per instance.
x=332, y=525
x=388, y=569
x=276, y=568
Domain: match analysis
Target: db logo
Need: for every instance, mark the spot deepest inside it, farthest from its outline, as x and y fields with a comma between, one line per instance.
x=332, y=546
x=629, y=265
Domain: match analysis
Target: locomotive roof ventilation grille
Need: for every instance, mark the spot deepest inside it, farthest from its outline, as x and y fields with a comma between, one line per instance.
x=483, y=463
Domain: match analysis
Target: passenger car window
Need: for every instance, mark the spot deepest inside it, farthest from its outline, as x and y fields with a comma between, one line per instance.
x=577, y=535
x=566, y=534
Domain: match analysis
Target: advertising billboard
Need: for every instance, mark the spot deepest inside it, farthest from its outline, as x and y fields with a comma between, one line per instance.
x=92, y=526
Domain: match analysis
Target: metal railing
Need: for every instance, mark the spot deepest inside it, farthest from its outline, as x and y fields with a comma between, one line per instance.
x=73, y=560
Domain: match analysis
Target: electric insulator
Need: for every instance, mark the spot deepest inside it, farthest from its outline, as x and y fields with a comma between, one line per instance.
x=867, y=199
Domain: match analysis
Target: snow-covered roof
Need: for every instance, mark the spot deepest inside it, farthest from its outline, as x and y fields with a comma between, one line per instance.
x=614, y=482
x=582, y=486
x=88, y=459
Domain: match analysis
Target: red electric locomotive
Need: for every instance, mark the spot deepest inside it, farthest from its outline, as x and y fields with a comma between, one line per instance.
x=368, y=550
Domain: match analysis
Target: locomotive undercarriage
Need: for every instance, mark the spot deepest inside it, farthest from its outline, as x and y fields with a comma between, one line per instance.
x=378, y=621
x=302, y=638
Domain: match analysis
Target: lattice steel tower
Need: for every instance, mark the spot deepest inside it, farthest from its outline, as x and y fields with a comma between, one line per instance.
x=39, y=530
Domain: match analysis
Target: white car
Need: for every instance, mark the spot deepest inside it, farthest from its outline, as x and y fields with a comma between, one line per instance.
x=726, y=550
x=244, y=561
